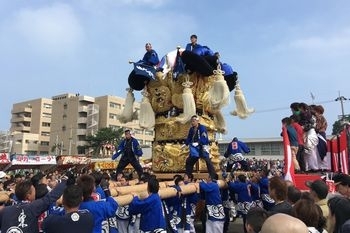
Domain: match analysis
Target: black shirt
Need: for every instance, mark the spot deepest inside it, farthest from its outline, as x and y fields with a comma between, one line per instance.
x=81, y=221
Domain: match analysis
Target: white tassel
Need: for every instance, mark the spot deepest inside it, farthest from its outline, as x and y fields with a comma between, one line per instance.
x=127, y=114
x=219, y=93
x=189, y=105
x=242, y=110
x=147, y=118
x=220, y=122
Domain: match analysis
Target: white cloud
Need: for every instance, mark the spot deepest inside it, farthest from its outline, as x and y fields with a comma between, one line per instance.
x=53, y=29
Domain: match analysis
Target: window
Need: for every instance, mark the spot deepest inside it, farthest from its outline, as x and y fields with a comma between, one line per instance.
x=138, y=131
x=252, y=149
x=275, y=149
x=46, y=115
x=115, y=105
x=64, y=128
x=48, y=106
x=65, y=106
x=45, y=124
x=270, y=149
x=265, y=149
x=149, y=132
x=113, y=116
x=43, y=133
x=148, y=143
x=44, y=143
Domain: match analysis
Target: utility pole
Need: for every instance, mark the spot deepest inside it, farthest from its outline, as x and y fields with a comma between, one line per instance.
x=341, y=99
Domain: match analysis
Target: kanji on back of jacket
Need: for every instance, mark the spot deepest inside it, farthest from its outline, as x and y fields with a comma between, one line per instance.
x=183, y=84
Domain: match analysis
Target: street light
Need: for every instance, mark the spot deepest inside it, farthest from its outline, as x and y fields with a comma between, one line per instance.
x=341, y=99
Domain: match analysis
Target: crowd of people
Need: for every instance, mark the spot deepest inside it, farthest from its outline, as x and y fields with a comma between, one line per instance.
x=33, y=204
x=306, y=129
x=81, y=201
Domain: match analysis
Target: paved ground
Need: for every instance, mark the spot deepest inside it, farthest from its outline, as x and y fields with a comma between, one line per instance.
x=235, y=227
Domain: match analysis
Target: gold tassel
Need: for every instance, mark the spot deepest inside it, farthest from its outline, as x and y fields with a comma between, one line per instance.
x=189, y=105
x=127, y=114
x=242, y=111
x=219, y=93
x=147, y=118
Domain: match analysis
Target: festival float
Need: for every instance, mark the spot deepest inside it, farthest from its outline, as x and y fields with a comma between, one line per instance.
x=184, y=84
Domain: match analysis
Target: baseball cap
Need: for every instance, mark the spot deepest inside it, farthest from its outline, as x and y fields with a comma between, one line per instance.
x=319, y=187
x=342, y=179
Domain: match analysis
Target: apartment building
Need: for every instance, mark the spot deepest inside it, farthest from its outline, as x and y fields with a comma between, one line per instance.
x=30, y=127
x=112, y=106
x=74, y=117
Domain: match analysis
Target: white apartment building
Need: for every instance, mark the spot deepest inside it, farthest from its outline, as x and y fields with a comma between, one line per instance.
x=30, y=127
x=74, y=117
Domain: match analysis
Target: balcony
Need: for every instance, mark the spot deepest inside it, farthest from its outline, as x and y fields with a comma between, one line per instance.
x=83, y=98
x=83, y=109
x=81, y=143
x=21, y=128
x=15, y=119
x=21, y=110
x=81, y=131
x=82, y=120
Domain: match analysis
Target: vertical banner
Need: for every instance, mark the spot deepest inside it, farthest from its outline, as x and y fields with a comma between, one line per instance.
x=288, y=165
x=339, y=153
x=343, y=152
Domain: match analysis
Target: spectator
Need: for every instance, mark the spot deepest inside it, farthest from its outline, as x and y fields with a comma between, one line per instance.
x=293, y=140
x=278, y=191
x=342, y=184
x=311, y=214
x=293, y=194
x=339, y=215
x=74, y=220
x=319, y=192
x=255, y=219
x=283, y=223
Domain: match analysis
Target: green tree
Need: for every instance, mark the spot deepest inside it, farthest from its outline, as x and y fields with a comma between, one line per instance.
x=102, y=137
x=339, y=124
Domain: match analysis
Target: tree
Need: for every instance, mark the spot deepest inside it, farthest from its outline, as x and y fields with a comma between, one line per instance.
x=339, y=124
x=102, y=137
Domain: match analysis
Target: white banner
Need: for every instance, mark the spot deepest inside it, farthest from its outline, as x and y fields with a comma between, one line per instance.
x=34, y=160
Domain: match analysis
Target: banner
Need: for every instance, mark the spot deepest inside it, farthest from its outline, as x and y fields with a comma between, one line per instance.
x=288, y=165
x=64, y=160
x=339, y=153
x=33, y=160
x=4, y=158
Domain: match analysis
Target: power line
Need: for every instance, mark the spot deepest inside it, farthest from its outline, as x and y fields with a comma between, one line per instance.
x=286, y=108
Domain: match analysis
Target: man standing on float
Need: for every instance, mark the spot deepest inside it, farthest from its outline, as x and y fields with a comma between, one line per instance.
x=198, y=142
x=130, y=149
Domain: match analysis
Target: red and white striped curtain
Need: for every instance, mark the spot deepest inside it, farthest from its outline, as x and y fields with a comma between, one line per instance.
x=338, y=149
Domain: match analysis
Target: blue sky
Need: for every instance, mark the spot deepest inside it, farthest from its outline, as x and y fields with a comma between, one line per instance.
x=282, y=50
